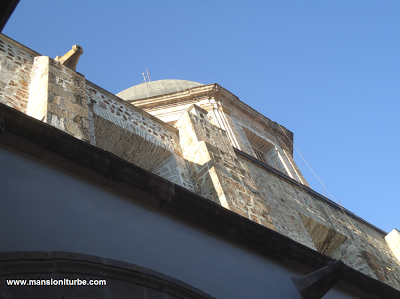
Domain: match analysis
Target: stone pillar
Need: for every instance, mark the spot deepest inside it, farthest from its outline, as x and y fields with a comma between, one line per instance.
x=393, y=241
x=216, y=172
x=57, y=96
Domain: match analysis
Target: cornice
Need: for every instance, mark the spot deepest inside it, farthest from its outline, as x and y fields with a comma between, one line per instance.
x=216, y=91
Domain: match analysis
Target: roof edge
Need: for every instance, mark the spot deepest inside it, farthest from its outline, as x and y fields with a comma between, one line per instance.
x=19, y=45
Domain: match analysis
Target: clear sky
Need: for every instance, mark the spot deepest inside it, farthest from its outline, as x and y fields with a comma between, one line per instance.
x=326, y=70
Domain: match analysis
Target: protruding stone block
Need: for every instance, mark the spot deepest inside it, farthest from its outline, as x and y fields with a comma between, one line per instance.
x=316, y=284
x=325, y=239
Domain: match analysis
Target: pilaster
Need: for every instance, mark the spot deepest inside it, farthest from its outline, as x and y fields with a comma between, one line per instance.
x=57, y=96
x=393, y=241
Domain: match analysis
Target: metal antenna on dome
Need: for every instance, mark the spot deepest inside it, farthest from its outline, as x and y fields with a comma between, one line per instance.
x=145, y=77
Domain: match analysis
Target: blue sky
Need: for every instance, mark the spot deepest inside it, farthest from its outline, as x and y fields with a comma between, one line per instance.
x=326, y=70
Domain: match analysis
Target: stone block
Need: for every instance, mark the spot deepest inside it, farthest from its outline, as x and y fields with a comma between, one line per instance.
x=57, y=110
x=207, y=186
x=374, y=265
x=75, y=109
x=368, y=256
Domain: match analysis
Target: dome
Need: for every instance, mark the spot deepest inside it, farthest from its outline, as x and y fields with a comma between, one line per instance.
x=155, y=88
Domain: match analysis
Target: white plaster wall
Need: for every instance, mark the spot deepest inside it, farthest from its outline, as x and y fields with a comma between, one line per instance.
x=45, y=209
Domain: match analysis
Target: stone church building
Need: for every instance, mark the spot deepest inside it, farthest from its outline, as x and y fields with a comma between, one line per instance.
x=168, y=189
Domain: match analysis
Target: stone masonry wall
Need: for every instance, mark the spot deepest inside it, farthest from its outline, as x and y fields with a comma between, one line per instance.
x=240, y=112
x=163, y=155
x=233, y=120
x=57, y=95
x=15, y=67
x=237, y=131
x=364, y=249
x=67, y=107
x=216, y=172
x=175, y=170
x=283, y=160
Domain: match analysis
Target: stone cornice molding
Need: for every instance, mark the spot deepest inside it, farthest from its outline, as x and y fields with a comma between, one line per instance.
x=221, y=96
x=176, y=97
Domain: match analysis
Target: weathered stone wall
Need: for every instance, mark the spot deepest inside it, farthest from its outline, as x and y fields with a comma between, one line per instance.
x=136, y=136
x=277, y=156
x=216, y=172
x=235, y=126
x=364, y=248
x=57, y=95
x=228, y=113
x=174, y=169
x=231, y=116
x=124, y=115
x=223, y=118
x=240, y=112
x=15, y=67
x=67, y=107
